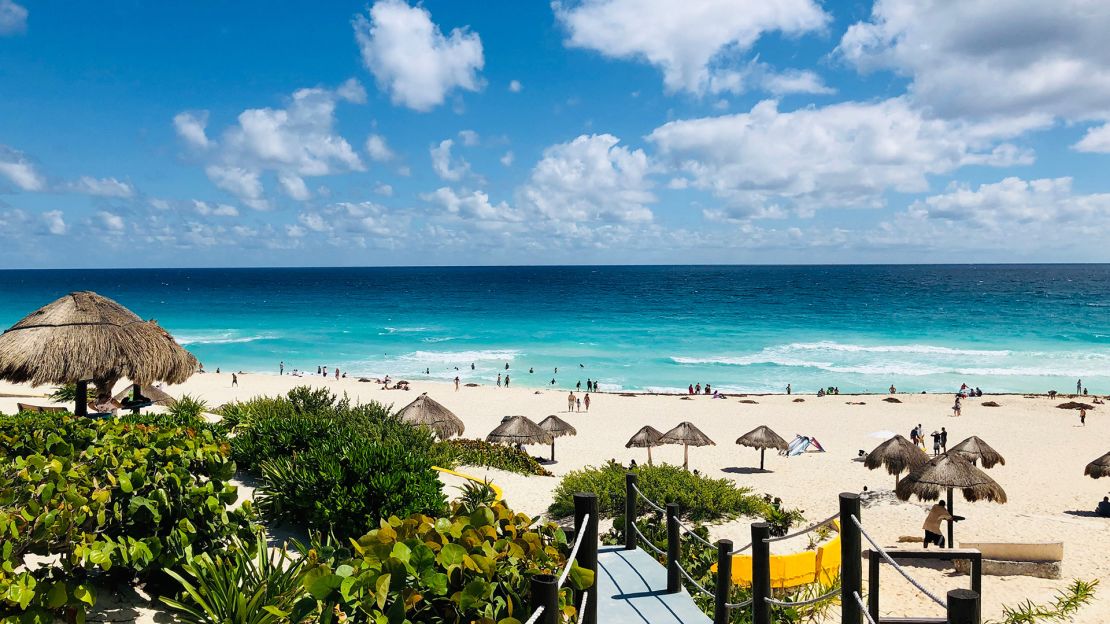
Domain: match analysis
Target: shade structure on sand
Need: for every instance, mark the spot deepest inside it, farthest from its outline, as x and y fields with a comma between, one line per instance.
x=897, y=455
x=519, y=430
x=974, y=448
x=557, y=427
x=686, y=434
x=84, y=337
x=949, y=472
x=646, y=437
x=427, y=412
x=154, y=395
x=762, y=438
x=1098, y=468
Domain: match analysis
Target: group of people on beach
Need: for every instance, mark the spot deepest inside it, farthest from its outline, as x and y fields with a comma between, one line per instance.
x=940, y=439
x=574, y=403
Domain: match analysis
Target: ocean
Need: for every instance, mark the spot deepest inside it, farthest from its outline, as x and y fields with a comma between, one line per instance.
x=1003, y=328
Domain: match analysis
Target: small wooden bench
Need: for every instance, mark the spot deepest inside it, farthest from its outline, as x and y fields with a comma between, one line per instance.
x=40, y=409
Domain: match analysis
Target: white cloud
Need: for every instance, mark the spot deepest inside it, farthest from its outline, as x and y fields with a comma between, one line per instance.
x=759, y=75
x=444, y=165
x=515, y=86
x=845, y=154
x=219, y=210
x=54, y=221
x=590, y=178
x=991, y=57
x=411, y=58
x=110, y=221
x=13, y=18
x=313, y=221
x=1097, y=140
x=507, y=158
x=19, y=171
x=473, y=205
x=383, y=189
x=351, y=91
x=102, y=187
x=191, y=128
x=294, y=142
x=378, y=148
x=1014, y=202
x=689, y=40
x=469, y=138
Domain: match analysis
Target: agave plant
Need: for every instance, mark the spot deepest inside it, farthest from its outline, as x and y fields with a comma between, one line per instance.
x=476, y=494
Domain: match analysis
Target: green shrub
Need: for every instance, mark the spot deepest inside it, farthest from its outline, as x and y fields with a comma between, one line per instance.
x=67, y=393
x=474, y=495
x=452, y=453
x=698, y=497
x=108, y=498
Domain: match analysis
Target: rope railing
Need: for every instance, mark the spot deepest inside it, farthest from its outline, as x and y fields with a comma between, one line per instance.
x=646, y=542
x=738, y=605
x=895, y=565
x=535, y=616
x=812, y=527
x=582, y=605
x=573, y=552
x=863, y=608
x=691, y=579
x=647, y=500
x=803, y=603
x=741, y=549
x=694, y=535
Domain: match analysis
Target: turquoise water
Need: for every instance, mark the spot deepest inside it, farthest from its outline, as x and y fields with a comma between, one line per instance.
x=754, y=329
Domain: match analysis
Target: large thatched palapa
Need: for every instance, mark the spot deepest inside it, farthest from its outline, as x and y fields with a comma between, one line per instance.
x=427, y=412
x=897, y=455
x=646, y=437
x=949, y=472
x=686, y=434
x=557, y=427
x=1098, y=468
x=519, y=430
x=762, y=438
x=975, y=449
x=84, y=337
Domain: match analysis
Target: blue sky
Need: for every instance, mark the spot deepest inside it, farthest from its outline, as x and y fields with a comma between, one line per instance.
x=581, y=131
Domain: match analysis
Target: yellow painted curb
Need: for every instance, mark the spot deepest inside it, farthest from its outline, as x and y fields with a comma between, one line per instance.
x=497, y=492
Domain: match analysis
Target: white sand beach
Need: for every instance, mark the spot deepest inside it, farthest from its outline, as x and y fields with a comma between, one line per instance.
x=1045, y=449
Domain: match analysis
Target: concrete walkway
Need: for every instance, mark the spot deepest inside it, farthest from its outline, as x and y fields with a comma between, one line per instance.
x=632, y=589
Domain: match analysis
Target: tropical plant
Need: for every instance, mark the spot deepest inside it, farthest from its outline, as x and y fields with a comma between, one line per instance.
x=1066, y=604
x=187, y=408
x=67, y=393
x=459, y=452
x=476, y=494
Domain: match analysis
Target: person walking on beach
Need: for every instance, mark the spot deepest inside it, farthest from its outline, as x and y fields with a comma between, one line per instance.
x=578, y=404
x=498, y=380
x=281, y=367
x=943, y=440
x=1083, y=417
x=937, y=514
x=936, y=443
x=570, y=400
x=956, y=407
x=456, y=383
x=586, y=400
x=234, y=380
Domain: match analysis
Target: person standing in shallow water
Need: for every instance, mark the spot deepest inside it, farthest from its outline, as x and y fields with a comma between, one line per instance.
x=281, y=367
x=506, y=381
x=788, y=389
x=456, y=383
x=498, y=380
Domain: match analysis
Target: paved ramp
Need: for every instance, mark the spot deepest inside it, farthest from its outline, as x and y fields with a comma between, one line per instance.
x=632, y=589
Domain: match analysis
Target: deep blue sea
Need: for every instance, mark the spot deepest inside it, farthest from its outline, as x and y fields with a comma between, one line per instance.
x=739, y=328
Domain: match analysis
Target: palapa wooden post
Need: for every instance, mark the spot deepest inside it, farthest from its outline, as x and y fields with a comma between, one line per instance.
x=81, y=407
x=851, y=564
x=674, y=550
x=586, y=505
x=761, y=573
x=630, y=511
x=951, y=523
x=724, y=582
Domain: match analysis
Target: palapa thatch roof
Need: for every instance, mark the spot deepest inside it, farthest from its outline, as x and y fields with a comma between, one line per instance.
x=156, y=396
x=930, y=480
x=84, y=336
x=974, y=448
x=1098, y=468
x=897, y=454
x=762, y=438
x=646, y=437
x=557, y=426
x=427, y=412
x=687, y=434
x=519, y=430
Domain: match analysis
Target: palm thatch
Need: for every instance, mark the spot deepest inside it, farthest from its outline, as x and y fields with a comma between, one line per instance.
x=1098, y=468
x=897, y=455
x=686, y=434
x=974, y=448
x=949, y=471
x=762, y=438
x=646, y=437
x=427, y=412
x=557, y=427
x=519, y=430
x=84, y=336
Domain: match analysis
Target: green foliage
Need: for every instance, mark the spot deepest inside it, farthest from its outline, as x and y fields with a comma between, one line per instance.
x=108, y=499
x=67, y=393
x=187, y=408
x=1066, y=604
x=457, y=452
x=471, y=566
x=698, y=497
x=332, y=466
x=475, y=495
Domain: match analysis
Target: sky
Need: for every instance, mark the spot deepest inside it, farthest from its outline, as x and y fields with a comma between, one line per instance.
x=500, y=132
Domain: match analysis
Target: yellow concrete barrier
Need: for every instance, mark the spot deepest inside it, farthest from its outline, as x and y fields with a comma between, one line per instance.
x=794, y=570
x=497, y=493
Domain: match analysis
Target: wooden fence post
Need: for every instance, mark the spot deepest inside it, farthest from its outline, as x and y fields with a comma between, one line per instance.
x=630, y=511
x=761, y=573
x=674, y=550
x=586, y=505
x=963, y=607
x=545, y=594
x=851, y=563
x=724, y=582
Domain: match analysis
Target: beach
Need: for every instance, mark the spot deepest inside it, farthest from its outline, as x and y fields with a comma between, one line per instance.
x=1045, y=450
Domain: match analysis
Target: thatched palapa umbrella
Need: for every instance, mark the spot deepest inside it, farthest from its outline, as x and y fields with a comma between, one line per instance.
x=897, y=455
x=686, y=434
x=973, y=449
x=1098, y=468
x=84, y=337
x=557, y=427
x=949, y=472
x=646, y=437
x=762, y=438
x=519, y=430
x=427, y=412
x=143, y=396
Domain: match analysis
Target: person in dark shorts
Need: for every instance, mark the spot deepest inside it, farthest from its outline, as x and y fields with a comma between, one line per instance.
x=937, y=514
